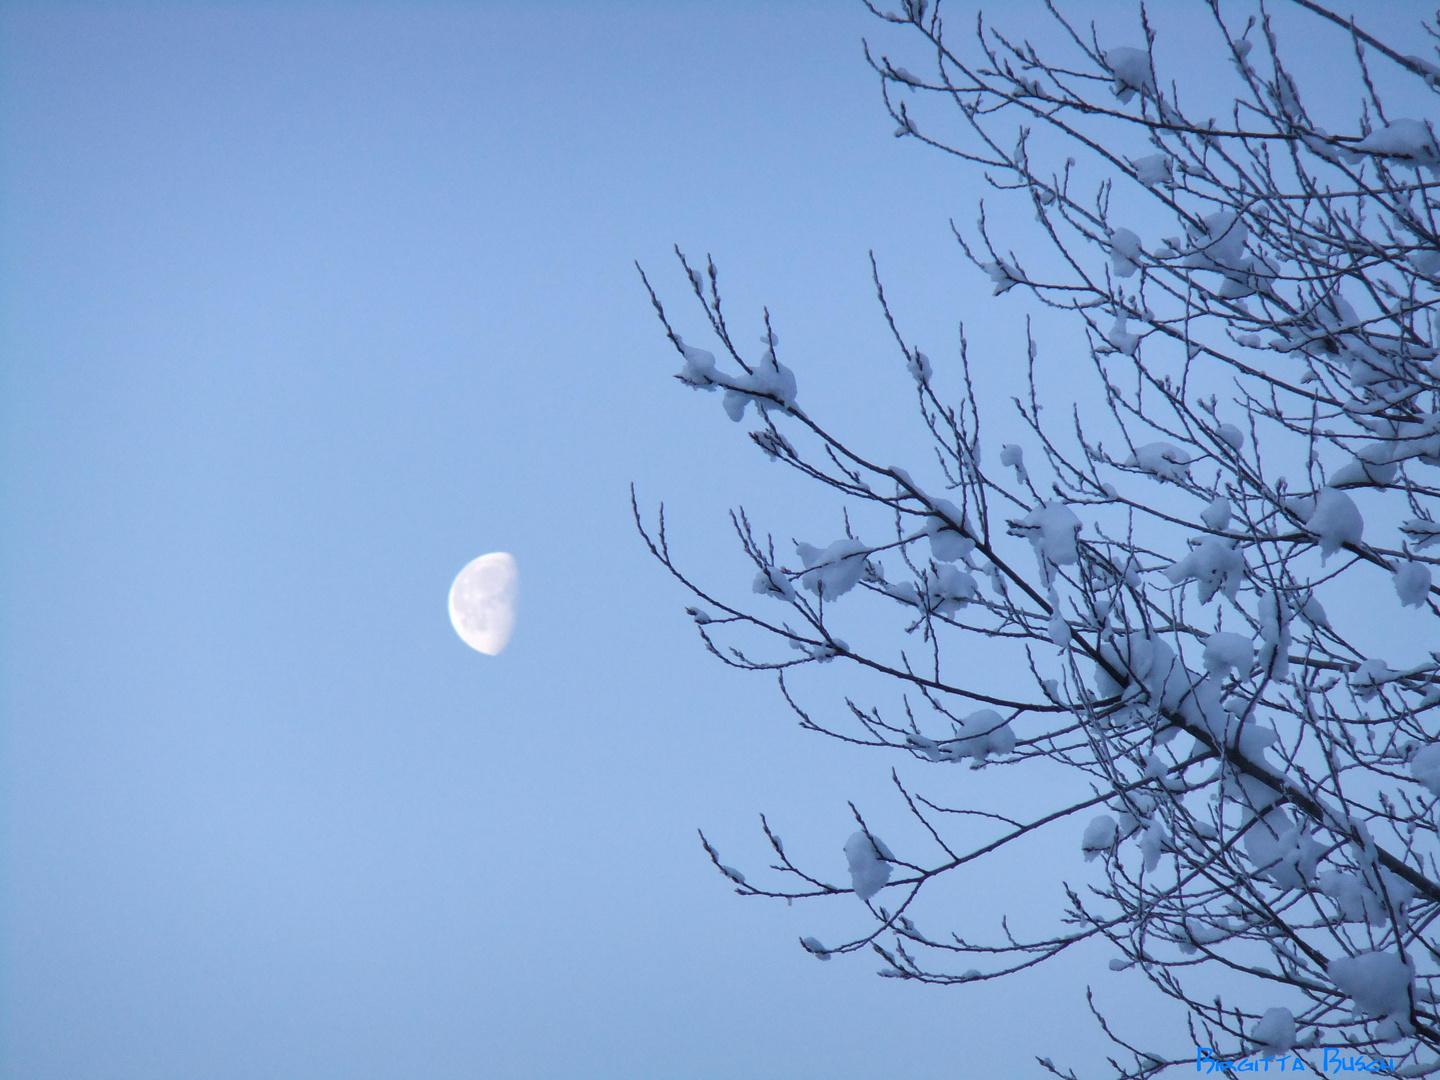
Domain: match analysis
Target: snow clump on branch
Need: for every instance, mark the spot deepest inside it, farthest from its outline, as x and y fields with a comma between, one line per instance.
x=869, y=861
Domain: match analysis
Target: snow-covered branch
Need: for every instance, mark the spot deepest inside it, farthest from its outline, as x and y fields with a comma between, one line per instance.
x=1183, y=579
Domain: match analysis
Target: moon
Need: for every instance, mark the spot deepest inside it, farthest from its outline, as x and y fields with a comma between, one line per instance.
x=482, y=602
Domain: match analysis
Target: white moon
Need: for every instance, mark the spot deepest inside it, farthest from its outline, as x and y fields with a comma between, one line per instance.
x=482, y=602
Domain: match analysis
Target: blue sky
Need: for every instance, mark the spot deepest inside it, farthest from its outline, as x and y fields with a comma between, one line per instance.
x=306, y=306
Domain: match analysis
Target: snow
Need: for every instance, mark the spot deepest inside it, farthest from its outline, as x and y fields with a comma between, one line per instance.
x=949, y=590
x=1217, y=515
x=869, y=864
x=699, y=369
x=1204, y=933
x=1005, y=276
x=976, y=736
x=834, y=571
x=734, y=403
x=1397, y=440
x=1153, y=169
x=1335, y=521
x=1367, y=679
x=769, y=384
x=814, y=947
x=1157, y=769
x=1335, y=153
x=1138, y=809
x=1161, y=460
x=1282, y=852
x=981, y=734
x=1301, y=506
x=823, y=653
x=1275, y=1031
x=1427, y=262
x=1410, y=140
x=1275, y=615
x=1100, y=835
x=919, y=367
x=772, y=582
x=1051, y=530
x=1220, y=245
x=1360, y=900
x=1378, y=982
x=1123, y=341
x=1354, y=902
x=997, y=579
x=1214, y=564
x=1430, y=70
x=1232, y=436
x=1361, y=473
x=947, y=545
x=1412, y=584
x=1425, y=767
x=1014, y=457
x=1141, y=659
x=1421, y=533
x=1225, y=650
x=1151, y=672
x=1313, y=613
x=1131, y=68
x=1153, y=844
x=1125, y=252
x=1058, y=631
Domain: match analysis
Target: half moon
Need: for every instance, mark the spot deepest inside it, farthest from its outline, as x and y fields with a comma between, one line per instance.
x=482, y=602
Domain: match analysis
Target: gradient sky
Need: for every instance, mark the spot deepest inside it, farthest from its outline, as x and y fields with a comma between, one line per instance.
x=304, y=307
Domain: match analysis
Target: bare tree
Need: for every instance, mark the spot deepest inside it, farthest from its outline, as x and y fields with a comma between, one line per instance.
x=1260, y=789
